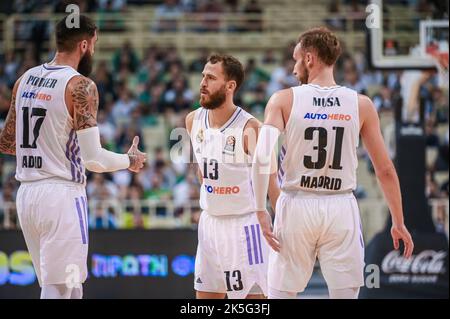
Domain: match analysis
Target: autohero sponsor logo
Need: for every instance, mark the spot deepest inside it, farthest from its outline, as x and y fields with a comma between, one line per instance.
x=37, y=96
x=327, y=117
x=222, y=190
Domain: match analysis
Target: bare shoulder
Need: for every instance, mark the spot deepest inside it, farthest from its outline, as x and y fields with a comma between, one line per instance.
x=364, y=100
x=253, y=124
x=278, y=109
x=189, y=120
x=79, y=88
x=80, y=82
x=82, y=97
x=281, y=98
x=250, y=135
x=368, y=115
x=16, y=85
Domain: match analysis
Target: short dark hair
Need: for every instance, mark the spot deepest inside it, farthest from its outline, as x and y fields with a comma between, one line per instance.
x=67, y=38
x=323, y=42
x=232, y=68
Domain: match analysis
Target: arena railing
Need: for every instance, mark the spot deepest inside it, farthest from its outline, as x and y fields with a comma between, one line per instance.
x=151, y=214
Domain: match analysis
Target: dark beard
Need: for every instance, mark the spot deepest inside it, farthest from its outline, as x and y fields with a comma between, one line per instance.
x=85, y=64
x=304, y=79
x=215, y=100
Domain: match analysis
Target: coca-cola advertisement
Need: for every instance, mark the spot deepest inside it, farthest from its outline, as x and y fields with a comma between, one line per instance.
x=424, y=275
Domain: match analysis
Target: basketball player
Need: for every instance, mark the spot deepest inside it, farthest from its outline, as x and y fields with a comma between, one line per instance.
x=51, y=127
x=316, y=214
x=231, y=255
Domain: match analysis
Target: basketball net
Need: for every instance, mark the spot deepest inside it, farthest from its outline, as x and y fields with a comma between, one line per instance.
x=441, y=61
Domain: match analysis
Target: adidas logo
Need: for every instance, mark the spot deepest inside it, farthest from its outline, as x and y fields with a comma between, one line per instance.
x=199, y=281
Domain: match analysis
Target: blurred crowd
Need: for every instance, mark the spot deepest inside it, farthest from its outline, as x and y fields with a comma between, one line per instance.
x=138, y=91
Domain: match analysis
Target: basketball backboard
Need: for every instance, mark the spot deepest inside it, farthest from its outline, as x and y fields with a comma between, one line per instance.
x=406, y=37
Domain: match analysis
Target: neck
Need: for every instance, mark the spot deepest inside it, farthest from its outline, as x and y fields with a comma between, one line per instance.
x=322, y=77
x=63, y=58
x=219, y=116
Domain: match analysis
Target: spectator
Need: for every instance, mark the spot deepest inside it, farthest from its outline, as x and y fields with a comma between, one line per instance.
x=124, y=106
x=432, y=139
x=115, y=5
x=255, y=77
x=210, y=12
x=9, y=68
x=104, y=80
x=167, y=15
x=179, y=97
x=351, y=77
x=156, y=97
x=432, y=189
x=159, y=193
x=198, y=64
x=258, y=105
x=104, y=217
x=255, y=23
x=5, y=102
x=8, y=212
x=269, y=57
x=185, y=191
x=383, y=99
x=125, y=57
x=282, y=77
x=107, y=130
x=336, y=20
x=99, y=188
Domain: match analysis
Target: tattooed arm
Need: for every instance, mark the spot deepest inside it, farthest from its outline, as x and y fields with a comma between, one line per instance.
x=8, y=134
x=82, y=95
x=82, y=102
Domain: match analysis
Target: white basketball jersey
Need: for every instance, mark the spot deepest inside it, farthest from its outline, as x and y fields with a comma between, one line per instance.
x=46, y=143
x=322, y=134
x=224, y=165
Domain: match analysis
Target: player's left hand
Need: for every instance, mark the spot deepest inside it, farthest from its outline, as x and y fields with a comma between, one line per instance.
x=266, y=225
x=399, y=232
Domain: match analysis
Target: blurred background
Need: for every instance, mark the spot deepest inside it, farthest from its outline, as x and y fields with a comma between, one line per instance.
x=148, y=64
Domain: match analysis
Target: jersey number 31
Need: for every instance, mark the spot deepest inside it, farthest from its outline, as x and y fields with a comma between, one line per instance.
x=321, y=148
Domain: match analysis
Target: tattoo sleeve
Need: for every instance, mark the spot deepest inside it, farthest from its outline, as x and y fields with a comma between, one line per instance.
x=8, y=134
x=85, y=104
x=133, y=159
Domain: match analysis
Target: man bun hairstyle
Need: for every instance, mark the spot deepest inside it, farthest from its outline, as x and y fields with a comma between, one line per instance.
x=323, y=42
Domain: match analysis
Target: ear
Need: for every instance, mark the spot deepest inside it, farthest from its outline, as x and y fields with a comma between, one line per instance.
x=84, y=46
x=309, y=59
x=231, y=85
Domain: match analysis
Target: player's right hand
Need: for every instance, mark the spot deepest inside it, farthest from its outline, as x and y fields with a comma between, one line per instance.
x=401, y=233
x=137, y=158
x=266, y=226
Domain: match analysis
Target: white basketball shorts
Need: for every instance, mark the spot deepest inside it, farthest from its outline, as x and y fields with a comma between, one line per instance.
x=53, y=216
x=232, y=256
x=326, y=227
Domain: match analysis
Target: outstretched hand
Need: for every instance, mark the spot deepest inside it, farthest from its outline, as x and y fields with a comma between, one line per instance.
x=137, y=158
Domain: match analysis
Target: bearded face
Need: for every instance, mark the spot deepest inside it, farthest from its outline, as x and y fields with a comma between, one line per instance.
x=85, y=64
x=212, y=100
x=303, y=73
